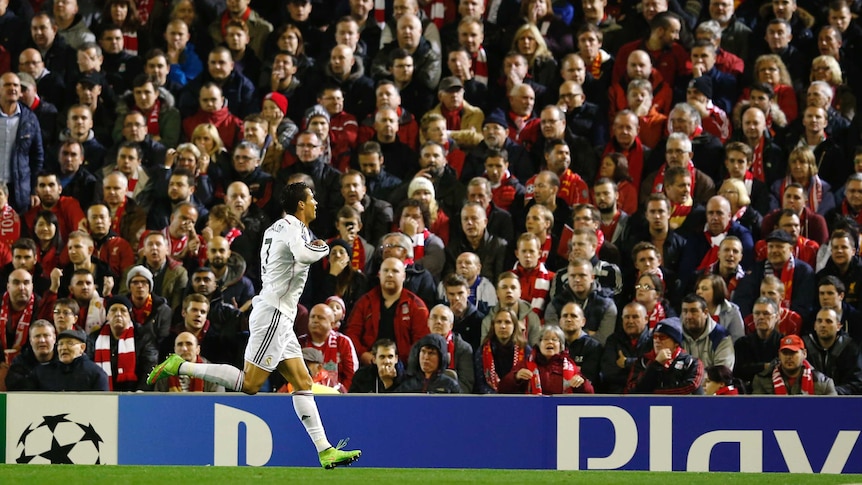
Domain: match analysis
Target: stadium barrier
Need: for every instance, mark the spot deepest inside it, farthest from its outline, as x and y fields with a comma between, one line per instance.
x=750, y=434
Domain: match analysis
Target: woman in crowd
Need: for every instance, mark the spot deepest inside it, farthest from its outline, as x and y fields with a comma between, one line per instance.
x=736, y=193
x=124, y=14
x=288, y=38
x=556, y=34
x=649, y=291
x=528, y=42
x=548, y=371
x=720, y=382
x=501, y=351
x=46, y=228
x=341, y=279
x=712, y=288
x=802, y=169
x=205, y=136
x=281, y=127
x=770, y=69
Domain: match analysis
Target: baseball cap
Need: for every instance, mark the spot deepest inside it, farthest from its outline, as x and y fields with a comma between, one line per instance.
x=90, y=79
x=312, y=355
x=780, y=236
x=26, y=79
x=72, y=333
x=450, y=83
x=792, y=342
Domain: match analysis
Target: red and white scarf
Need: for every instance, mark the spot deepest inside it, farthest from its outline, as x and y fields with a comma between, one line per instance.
x=786, y=278
x=658, y=184
x=806, y=386
x=419, y=244
x=194, y=384
x=380, y=12
x=125, y=355
x=331, y=357
x=436, y=12
x=490, y=369
x=22, y=329
x=658, y=314
x=152, y=117
x=757, y=168
x=10, y=225
x=570, y=370
x=450, y=347
x=480, y=66
x=814, y=189
x=711, y=256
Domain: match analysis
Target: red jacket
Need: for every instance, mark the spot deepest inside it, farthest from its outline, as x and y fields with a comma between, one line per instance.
x=117, y=252
x=411, y=322
x=550, y=374
x=68, y=212
x=229, y=126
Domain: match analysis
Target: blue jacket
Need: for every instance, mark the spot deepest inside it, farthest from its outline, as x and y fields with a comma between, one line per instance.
x=26, y=160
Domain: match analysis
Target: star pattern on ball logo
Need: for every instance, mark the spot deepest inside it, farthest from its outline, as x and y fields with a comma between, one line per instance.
x=59, y=440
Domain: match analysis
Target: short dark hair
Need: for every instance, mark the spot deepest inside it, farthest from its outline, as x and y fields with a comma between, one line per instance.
x=426, y=214
x=694, y=298
x=25, y=243
x=833, y=281
x=292, y=195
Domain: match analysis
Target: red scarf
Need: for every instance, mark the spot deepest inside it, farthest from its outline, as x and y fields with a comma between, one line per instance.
x=815, y=191
x=130, y=42
x=10, y=225
x=357, y=258
x=226, y=17
x=195, y=384
x=658, y=184
x=757, y=165
x=600, y=239
x=806, y=386
x=125, y=355
x=177, y=244
x=786, y=278
x=450, y=344
x=453, y=118
x=22, y=330
x=232, y=234
x=480, y=66
x=490, y=370
x=845, y=210
x=635, y=156
x=596, y=66
x=546, y=249
x=152, y=117
x=658, y=314
x=607, y=230
x=570, y=370
x=419, y=244
x=118, y=216
x=673, y=357
x=145, y=8
x=140, y=315
x=36, y=102
x=380, y=12
x=711, y=256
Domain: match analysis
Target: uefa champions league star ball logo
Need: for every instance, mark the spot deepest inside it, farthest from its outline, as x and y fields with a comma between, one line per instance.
x=58, y=440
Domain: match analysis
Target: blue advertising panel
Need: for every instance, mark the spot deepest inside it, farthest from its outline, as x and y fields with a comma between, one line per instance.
x=769, y=434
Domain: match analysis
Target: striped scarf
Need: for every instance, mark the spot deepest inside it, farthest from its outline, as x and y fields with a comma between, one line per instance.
x=806, y=386
x=570, y=370
x=22, y=330
x=489, y=369
x=786, y=278
x=419, y=244
x=125, y=355
x=480, y=66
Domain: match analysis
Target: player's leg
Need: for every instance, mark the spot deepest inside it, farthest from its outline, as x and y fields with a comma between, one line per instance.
x=223, y=374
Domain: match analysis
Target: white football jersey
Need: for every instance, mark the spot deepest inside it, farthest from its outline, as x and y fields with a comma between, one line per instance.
x=285, y=257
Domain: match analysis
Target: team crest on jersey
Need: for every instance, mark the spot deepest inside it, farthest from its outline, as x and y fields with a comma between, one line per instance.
x=268, y=360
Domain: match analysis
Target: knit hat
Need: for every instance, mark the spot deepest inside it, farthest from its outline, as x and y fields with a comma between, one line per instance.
x=316, y=110
x=141, y=271
x=670, y=327
x=497, y=117
x=121, y=300
x=420, y=183
x=702, y=84
x=341, y=242
x=340, y=301
x=279, y=99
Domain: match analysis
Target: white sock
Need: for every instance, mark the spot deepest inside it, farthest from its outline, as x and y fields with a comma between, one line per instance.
x=306, y=411
x=223, y=374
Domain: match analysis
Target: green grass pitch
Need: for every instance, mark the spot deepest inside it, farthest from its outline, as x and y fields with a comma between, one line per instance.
x=128, y=475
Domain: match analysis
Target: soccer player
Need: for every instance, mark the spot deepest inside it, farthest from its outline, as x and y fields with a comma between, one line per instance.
x=286, y=255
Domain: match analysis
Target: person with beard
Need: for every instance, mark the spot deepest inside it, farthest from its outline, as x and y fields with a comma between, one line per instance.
x=68, y=210
x=614, y=222
x=25, y=256
x=376, y=214
x=495, y=137
x=91, y=306
x=326, y=179
x=229, y=270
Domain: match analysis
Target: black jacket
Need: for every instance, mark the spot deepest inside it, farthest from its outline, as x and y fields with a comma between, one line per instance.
x=842, y=362
x=613, y=377
x=683, y=376
x=438, y=383
x=21, y=368
x=366, y=380
x=146, y=355
x=752, y=353
x=79, y=375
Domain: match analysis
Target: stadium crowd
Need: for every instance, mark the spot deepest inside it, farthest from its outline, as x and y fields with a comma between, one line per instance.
x=528, y=196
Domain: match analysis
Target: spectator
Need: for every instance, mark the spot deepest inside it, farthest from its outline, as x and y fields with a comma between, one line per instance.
x=791, y=374
x=713, y=290
x=428, y=374
x=719, y=381
x=72, y=371
x=460, y=353
x=503, y=347
x=467, y=318
x=186, y=346
x=703, y=338
x=582, y=289
x=625, y=347
x=756, y=351
x=548, y=371
x=21, y=155
x=394, y=311
x=41, y=351
x=126, y=365
x=339, y=360
x=584, y=350
x=384, y=375
x=668, y=368
x=834, y=353
x=149, y=310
